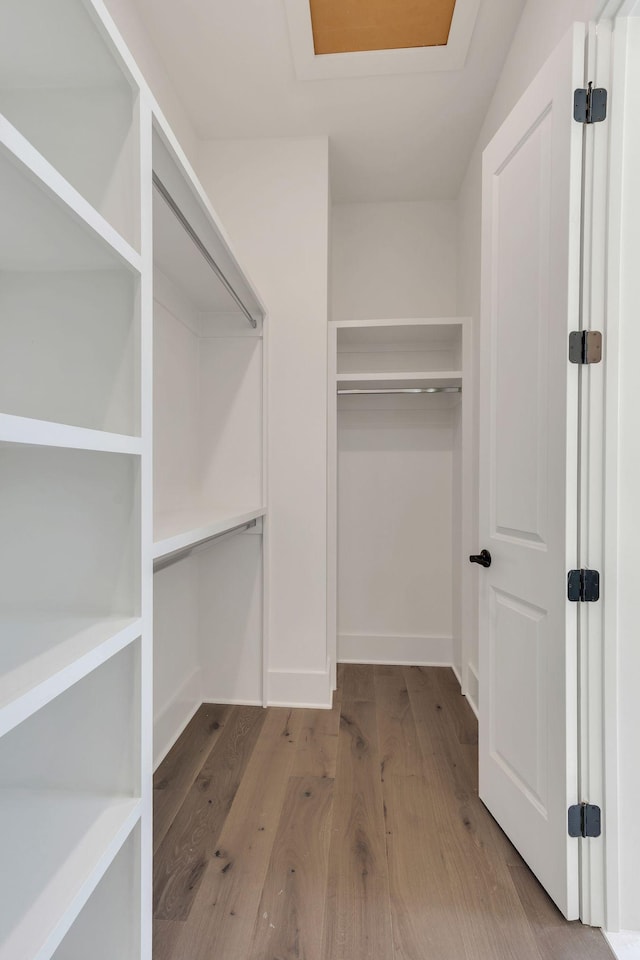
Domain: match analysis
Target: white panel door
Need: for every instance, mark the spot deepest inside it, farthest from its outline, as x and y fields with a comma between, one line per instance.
x=532, y=172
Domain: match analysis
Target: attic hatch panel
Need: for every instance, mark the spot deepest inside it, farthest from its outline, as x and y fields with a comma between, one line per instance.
x=351, y=26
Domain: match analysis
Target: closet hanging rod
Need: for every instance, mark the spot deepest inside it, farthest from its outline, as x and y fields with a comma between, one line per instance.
x=191, y=233
x=170, y=558
x=395, y=391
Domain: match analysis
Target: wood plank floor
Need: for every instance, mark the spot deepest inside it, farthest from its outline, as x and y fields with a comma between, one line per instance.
x=349, y=834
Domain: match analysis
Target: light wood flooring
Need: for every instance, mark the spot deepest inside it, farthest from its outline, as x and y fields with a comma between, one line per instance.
x=349, y=834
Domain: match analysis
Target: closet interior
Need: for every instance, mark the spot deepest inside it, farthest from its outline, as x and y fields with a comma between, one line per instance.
x=396, y=424
x=209, y=485
x=133, y=369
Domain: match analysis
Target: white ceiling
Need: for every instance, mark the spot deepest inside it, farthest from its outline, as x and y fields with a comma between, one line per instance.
x=405, y=137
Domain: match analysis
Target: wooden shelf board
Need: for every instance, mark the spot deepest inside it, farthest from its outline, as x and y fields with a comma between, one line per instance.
x=43, y=655
x=179, y=531
x=403, y=381
x=52, y=225
x=58, y=845
x=48, y=434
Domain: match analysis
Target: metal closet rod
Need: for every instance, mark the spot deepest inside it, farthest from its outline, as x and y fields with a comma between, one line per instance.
x=177, y=212
x=398, y=391
x=183, y=552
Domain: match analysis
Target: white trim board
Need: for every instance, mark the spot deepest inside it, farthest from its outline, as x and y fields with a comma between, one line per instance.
x=625, y=945
x=300, y=688
x=472, y=693
x=417, y=651
x=175, y=716
x=231, y=702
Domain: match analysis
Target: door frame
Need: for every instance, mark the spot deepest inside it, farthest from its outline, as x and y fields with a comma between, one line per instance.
x=613, y=509
x=606, y=541
x=591, y=708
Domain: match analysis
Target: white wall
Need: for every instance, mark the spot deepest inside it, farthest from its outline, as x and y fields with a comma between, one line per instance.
x=135, y=35
x=393, y=260
x=273, y=197
x=543, y=24
x=395, y=573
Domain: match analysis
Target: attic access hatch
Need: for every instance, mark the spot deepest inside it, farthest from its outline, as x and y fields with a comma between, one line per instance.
x=368, y=38
x=340, y=27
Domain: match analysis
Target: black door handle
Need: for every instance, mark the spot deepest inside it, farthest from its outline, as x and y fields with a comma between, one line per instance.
x=483, y=558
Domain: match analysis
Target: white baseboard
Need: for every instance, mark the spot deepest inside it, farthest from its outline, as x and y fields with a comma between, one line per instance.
x=175, y=716
x=625, y=945
x=415, y=651
x=473, y=687
x=231, y=702
x=300, y=688
x=456, y=673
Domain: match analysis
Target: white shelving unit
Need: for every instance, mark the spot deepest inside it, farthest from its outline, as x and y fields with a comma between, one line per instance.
x=398, y=451
x=69, y=301
x=209, y=478
x=99, y=921
x=75, y=509
x=44, y=655
x=86, y=240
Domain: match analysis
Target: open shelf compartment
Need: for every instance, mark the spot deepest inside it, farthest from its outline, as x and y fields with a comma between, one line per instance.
x=399, y=346
x=64, y=86
x=70, y=582
x=69, y=789
x=108, y=928
x=44, y=655
x=69, y=313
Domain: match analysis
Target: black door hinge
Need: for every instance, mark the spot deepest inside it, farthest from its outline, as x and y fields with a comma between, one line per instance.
x=585, y=346
x=585, y=820
x=590, y=104
x=583, y=586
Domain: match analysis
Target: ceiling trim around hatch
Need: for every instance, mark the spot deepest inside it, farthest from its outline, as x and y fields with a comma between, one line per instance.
x=372, y=63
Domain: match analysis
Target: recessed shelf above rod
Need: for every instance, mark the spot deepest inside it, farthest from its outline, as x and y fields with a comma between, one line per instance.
x=200, y=246
x=396, y=392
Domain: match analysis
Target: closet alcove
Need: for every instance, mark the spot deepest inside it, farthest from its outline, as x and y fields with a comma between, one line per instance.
x=209, y=484
x=398, y=428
